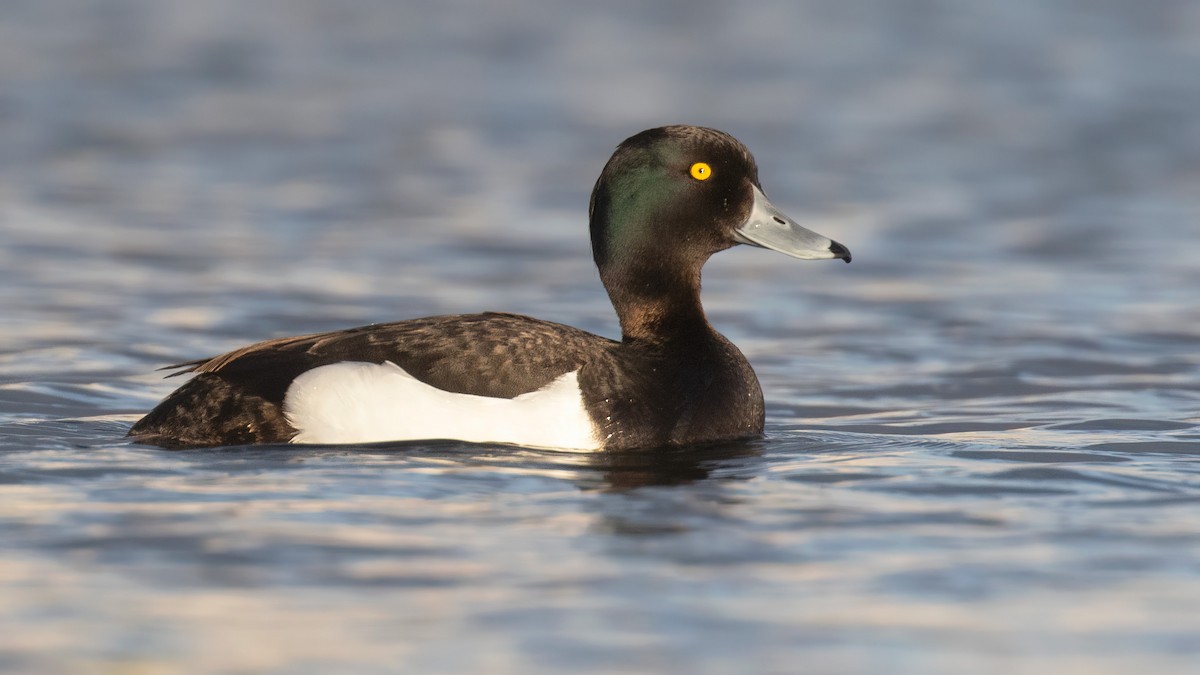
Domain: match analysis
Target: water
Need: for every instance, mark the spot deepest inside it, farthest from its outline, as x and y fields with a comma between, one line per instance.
x=983, y=437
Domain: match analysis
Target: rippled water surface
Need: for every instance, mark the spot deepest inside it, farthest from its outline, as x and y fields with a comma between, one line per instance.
x=983, y=437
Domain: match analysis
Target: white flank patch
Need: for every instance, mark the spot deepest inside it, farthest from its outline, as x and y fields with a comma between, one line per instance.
x=356, y=402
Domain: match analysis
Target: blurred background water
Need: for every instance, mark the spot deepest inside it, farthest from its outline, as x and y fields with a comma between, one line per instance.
x=983, y=437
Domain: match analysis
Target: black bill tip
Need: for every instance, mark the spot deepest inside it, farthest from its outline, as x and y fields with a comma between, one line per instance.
x=840, y=251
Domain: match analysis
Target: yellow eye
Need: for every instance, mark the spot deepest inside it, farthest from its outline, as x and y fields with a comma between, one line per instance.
x=701, y=171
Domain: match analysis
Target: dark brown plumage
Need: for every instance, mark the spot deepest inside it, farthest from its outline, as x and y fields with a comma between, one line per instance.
x=671, y=380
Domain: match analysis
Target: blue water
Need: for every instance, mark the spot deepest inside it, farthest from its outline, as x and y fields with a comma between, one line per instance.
x=983, y=436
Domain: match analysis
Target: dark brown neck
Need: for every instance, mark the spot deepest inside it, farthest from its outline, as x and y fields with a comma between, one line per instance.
x=657, y=303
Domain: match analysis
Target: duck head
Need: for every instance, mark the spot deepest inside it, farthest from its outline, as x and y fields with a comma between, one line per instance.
x=691, y=191
x=671, y=197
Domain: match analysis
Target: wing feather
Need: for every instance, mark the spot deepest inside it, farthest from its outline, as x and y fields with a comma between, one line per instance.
x=490, y=354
